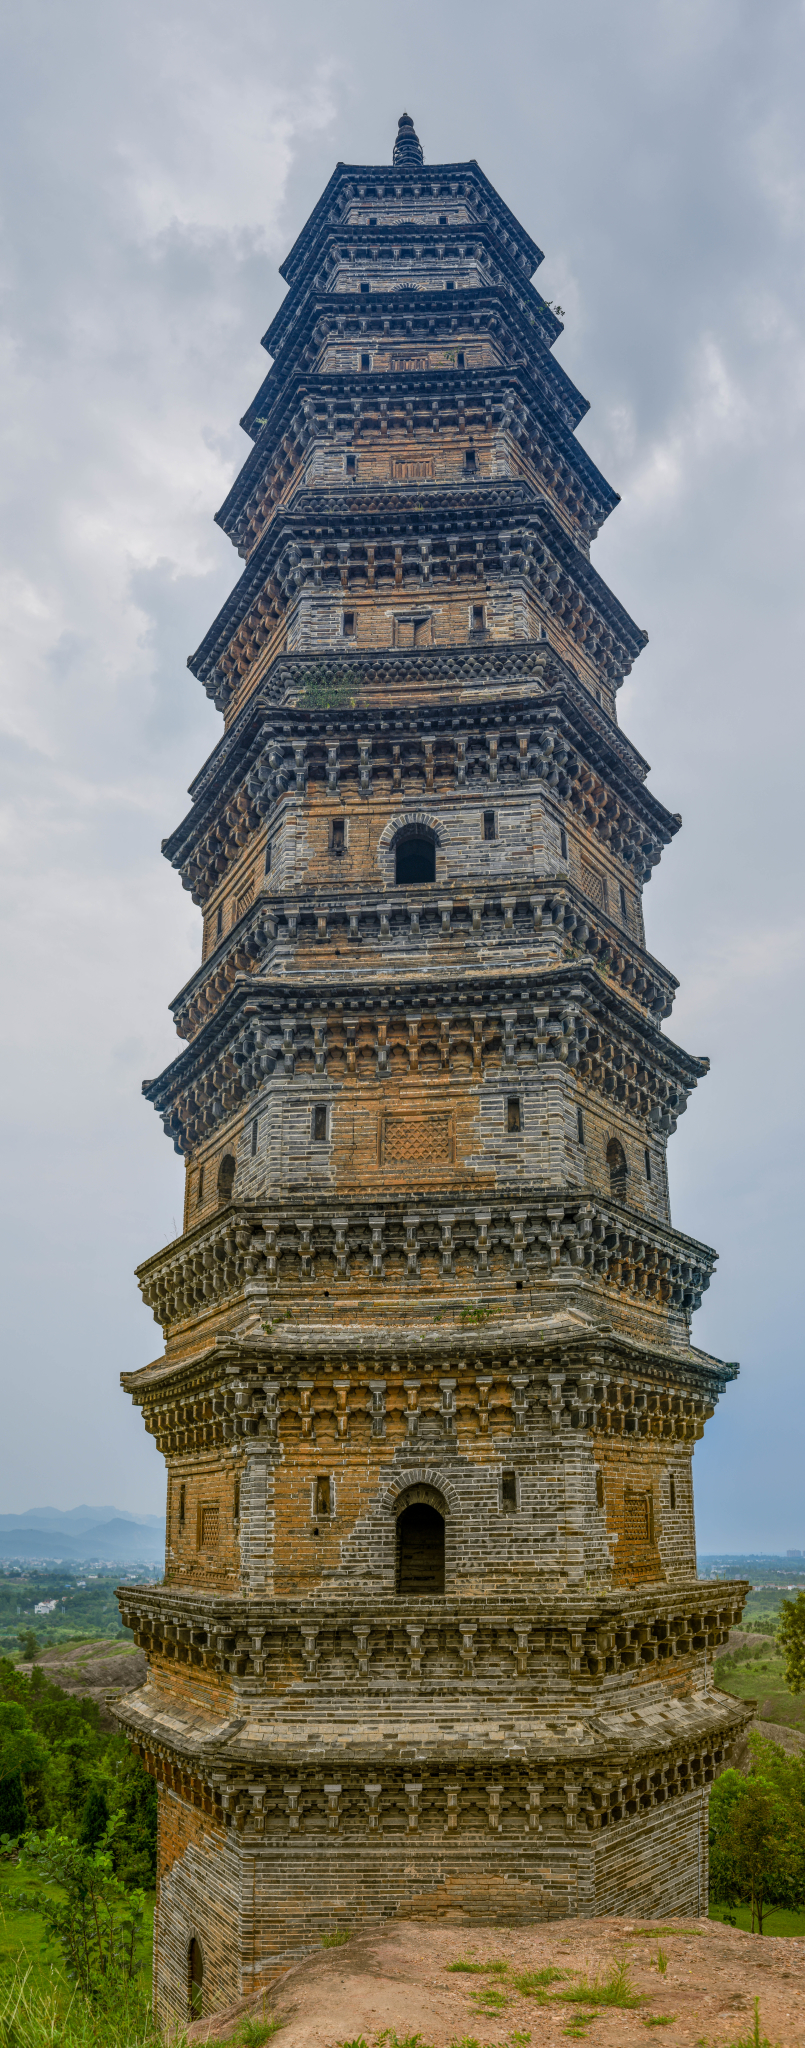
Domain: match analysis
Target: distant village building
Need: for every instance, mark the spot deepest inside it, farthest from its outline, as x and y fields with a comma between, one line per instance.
x=431, y=1639
x=45, y=1606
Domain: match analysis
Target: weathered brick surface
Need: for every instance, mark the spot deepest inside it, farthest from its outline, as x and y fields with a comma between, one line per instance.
x=428, y=1291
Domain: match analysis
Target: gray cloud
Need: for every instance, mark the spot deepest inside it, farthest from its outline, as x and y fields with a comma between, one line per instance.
x=157, y=164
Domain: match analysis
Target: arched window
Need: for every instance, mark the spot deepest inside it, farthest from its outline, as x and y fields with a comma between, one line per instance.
x=195, y=1975
x=618, y=1169
x=420, y=1550
x=415, y=856
x=226, y=1177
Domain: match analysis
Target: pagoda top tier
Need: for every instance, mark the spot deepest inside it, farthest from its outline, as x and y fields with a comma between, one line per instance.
x=383, y=194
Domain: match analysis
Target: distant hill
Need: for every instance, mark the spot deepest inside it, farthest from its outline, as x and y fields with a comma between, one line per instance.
x=82, y=1536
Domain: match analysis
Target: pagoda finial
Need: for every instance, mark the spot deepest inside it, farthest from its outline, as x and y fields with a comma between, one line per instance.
x=407, y=148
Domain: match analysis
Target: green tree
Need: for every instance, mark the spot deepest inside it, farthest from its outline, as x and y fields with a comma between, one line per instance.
x=13, y=1810
x=24, y=1751
x=757, y=1833
x=791, y=1638
x=29, y=1645
x=89, y=1915
x=94, y=1819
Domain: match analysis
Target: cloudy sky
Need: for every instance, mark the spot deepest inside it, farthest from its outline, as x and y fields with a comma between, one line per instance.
x=158, y=162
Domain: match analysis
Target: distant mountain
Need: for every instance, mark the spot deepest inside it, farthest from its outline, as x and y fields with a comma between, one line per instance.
x=83, y=1517
x=79, y=1535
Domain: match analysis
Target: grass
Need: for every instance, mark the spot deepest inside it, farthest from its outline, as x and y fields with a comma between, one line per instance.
x=755, y=2039
x=660, y=2019
x=22, y=1934
x=747, y=1676
x=534, y=1983
x=336, y=1939
x=616, y=1989
x=782, y=1920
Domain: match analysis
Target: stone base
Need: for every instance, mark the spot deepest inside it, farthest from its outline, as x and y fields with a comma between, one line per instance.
x=254, y=1908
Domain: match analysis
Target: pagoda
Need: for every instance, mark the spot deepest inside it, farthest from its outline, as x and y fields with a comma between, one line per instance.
x=431, y=1640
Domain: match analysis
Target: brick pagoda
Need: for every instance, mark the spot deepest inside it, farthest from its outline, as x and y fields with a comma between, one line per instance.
x=431, y=1639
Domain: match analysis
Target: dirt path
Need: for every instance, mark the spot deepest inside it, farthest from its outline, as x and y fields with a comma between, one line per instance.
x=398, y=1978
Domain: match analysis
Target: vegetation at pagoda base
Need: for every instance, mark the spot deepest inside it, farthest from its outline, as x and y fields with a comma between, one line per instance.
x=60, y=1769
x=757, y=1834
x=791, y=1638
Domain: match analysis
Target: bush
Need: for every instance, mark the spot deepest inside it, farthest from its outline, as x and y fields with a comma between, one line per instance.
x=94, y=1922
x=13, y=1810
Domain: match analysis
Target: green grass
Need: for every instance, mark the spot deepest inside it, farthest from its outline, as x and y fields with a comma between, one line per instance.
x=616, y=1989
x=534, y=1983
x=336, y=1939
x=762, y=1678
x=660, y=2019
x=780, y=1919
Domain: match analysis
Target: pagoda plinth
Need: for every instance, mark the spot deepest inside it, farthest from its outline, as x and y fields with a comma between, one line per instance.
x=431, y=1639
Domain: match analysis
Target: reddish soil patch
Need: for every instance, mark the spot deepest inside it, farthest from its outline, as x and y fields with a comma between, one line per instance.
x=398, y=1977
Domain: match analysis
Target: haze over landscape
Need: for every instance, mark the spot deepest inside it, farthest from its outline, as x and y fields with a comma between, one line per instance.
x=160, y=167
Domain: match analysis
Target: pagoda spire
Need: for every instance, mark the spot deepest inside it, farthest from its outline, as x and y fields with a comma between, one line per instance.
x=407, y=147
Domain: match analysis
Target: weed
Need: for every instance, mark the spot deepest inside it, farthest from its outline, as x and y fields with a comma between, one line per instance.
x=662, y=1961
x=755, y=2039
x=612, y=1990
x=533, y=1983
x=336, y=1939
x=357, y=2043
x=254, y=2032
x=660, y=2019
x=388, y=2039
x=475, y=1315
x=468, y=1969
x=490, y=2000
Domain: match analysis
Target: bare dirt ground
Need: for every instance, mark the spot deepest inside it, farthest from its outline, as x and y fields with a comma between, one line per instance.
x=398, y=1978
x=97, y=1670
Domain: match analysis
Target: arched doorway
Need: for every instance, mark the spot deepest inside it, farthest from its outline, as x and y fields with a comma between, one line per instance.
x=420, y=1550
x=226, y=1178
x=195, y=1972
x=415, y=856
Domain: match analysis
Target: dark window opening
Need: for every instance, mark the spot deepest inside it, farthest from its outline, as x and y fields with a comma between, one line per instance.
x=450, y=285
x=563, y=842
x=470, y=461
x=415, y=860
x=364, y=287
x=373, y=220
x=514, y=1121
x=618, y=1169
x=200, y=1194
x=672, y=1488
x=195, y=1973
x=182, y=1503
x=236, y=1502
x=268, y=858
x=219, y=922
x=420, y=1551
x=443, y=220
x=366, y=362
x=323, y=1497
x=349, y=624
x=350, y=465
x=254, y=1136
x=226, y=1178
x=624, y=904
x=320, y=1123
x=647, y=1157
x=599, y=1489
x=508, y=1493
x=477, y=618
x=580, y=1125
x=460, y=359
x=489, y=825
x=337, y=836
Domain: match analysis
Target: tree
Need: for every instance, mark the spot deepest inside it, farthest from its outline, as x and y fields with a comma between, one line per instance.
x=94, y=1819
x=29, y=1645
x=757, y=1833
x=791, y=1638
x=89, y=1915
x=13, y=1810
